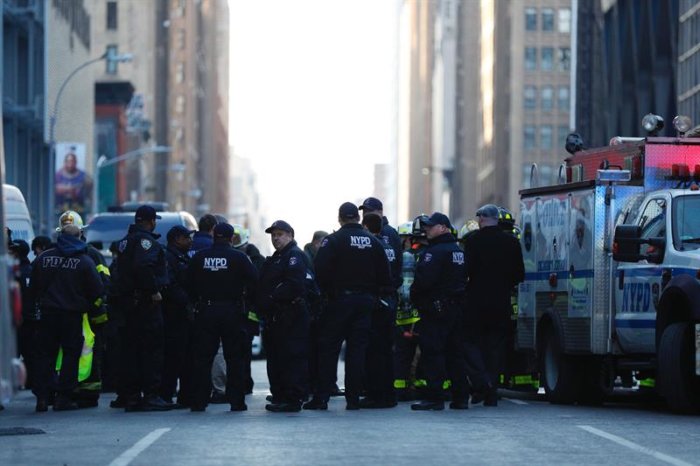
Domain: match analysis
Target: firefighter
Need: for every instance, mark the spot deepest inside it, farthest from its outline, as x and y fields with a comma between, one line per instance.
x=177, y=318
x=219, y=277
x=352, y=270
x=27, y=333
x=379, y=364
x=406, y=354
x=438, y=292
x=142, y=277
x=282, y=299
x=65, y=284
x=494, y=267
x=90, y=374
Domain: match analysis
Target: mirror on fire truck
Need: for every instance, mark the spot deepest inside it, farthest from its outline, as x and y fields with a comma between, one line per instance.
x=626, y=243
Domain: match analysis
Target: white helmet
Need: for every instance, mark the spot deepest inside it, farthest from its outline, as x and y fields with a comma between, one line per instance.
x=242, y=233
x=70, y=217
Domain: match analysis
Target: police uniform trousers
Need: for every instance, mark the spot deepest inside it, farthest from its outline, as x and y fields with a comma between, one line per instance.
x=287, y=346
x=379, y=359
x=442, y=351
x=177, y=355
x=58, y=329
x=348, y=317
x=143, y=348
x=219, y=322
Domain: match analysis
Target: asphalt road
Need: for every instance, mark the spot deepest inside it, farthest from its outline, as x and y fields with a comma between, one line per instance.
x=522, y=430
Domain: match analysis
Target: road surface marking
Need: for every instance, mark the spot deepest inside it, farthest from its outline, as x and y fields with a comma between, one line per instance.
x=517, y=402
x=130, y=455
x=633, y=446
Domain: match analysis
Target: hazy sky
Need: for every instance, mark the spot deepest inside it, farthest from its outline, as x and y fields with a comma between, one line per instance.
x=311, y=102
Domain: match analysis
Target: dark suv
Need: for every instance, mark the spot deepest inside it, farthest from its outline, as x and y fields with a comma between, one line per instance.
x=105, y=228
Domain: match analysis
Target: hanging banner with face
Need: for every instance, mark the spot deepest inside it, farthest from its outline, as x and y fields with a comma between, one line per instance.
x=72, y=185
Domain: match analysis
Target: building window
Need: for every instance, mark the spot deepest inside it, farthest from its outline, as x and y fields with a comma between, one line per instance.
x=112, y=15
x=530, y=97
x=530, y=19
x=530, y=58
x=547, y=98
x=565, y=20
x=564, y=59
x=547, y=19
x=180, y=73
x=112, y=51
x=563, y=98
x=547, y=58
x=546, y=137
x=563, y=132
x=529, y=138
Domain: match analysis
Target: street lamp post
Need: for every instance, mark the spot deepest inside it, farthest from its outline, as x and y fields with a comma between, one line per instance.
x=103, y=161
x=109, y=56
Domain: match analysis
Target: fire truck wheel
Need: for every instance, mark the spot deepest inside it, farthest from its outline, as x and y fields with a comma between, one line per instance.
x=676, y=374
x=559, y=372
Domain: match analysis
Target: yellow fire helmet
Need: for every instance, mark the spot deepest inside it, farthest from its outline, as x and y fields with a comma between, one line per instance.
x=243, y=234
x=406, y=229
x=467, y=228
x=70, y=217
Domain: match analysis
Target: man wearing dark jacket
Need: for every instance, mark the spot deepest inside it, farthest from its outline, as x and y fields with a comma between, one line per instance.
x=438, y=293
x=142, y=276
x=353, y=271
x=494, y=267
x=177, y=326
x=282, y=299
x=204, y=238
x=66, y=284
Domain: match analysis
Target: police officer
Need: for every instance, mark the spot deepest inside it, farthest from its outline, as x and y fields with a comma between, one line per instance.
x=379, y=363
x=65, y=283
x=27, y=333
x=282, y=299
x=372, y=205
x=438, y=292
x=176, y=320
x=352, y=270
x=142, y=276
x=219, y=277
x=494, y=267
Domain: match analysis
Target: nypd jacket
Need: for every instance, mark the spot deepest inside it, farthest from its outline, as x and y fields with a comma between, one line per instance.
x=65, y=279
x=175, y=296
x=440, y=272
x=282, y=279
x=220, y=273
x=351, y=259
x=391, y=237
x=141, y=263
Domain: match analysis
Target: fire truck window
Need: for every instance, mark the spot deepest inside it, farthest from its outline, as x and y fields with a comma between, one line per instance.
x=653, y=223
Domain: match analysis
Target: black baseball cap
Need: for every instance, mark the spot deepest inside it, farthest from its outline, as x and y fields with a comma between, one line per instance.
x=348, y=210
x=20, y=247
x=146, y=212
x=280, y=225
x=177, y=231
x=371, y=204
x=437, y=219
x=223, y=230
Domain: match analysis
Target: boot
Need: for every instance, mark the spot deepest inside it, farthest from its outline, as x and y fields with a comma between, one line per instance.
x=428, y=406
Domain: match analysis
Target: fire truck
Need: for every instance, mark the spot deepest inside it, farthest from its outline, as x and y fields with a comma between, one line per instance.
x=612, y=262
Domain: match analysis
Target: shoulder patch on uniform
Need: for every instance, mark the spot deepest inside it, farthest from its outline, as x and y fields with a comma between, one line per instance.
x=427, y=257
x=146, y=244
x=324, y=242
x=293, y=260
x=122, y=245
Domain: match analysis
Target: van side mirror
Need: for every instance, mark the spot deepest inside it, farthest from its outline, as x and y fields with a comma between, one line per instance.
x=627, y=242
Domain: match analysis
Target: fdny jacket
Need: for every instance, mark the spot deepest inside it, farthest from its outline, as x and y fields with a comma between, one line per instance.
x=440, y=272
x=220, y=273
x=141, y=263
x=65, y=279
x=351, y=259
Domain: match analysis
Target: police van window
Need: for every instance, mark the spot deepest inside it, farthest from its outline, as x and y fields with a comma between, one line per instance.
x=686, y=223
x=653, y=222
